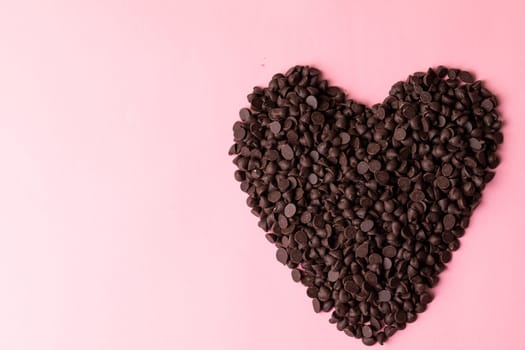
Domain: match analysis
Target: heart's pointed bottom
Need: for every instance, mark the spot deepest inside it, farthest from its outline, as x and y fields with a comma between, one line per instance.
x=366, y=205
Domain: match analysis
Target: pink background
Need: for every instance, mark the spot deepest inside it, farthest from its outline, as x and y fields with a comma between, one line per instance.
x=121, y=226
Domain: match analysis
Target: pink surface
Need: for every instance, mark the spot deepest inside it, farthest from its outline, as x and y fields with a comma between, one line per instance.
x=121, y=226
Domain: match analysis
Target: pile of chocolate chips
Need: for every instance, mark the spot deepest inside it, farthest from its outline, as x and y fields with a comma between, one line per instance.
x=366, y=205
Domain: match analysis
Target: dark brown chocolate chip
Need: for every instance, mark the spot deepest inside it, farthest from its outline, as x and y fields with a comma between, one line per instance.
x=384, y=295
x=400, y=316
x=404, y=183
x=449, y=221
x=296, y=275
x=400, y=134
x=409, y=111
x=274, y=196
x=275, y=127
x=295, y=255
x=362, y=167
x=417, y=196
x=290, y=210
x=317, y=118
x=442, y=182
x=362, y=250
x=373, y=148
x=374, y=165
x=487, y=105
x=426, y=97
x=333, y=276
x=375, y=259
x=476, y=144
x=447, y=169
x=369, y=341
x=467, y=77
x=287, y=152
x=389, y=251
x=367, y=225
x=311, y=101
x=312, y=178
x=245, y=114
x=238, y=132
x=426, y=298
x=382, y=177
x=367, y=331
x=317, y=305
x=282, y=256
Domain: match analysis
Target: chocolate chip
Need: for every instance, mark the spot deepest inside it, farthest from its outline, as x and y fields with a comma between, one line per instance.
x=409, y=112
x=333, y=276
x=384, y=295
x=426, y=97
x=290, y=210
x=447, y=169
x=400, y=134
x=487, y=105
x=287, y=152
x=282, y=256
x=400, y=316
x=367, y=331
x=442, y=182
x=317, y=118
x=362, y=167
x=466, y=76
x=373, y=148
x=362, y=250
x=449, y=221
x=238, y=132
x=301, y=237
x=404, y=183
x=417, y=196
x=367, y=225
x=317, y=305
x=245, y=114
x=476, y=144
x=311, y=101
x=275, y=127
x=374, y=165
x=312, y=178
x=369, y=341
x=375, y=259
x=389, y=251
x=296, y=275
x=382, y=177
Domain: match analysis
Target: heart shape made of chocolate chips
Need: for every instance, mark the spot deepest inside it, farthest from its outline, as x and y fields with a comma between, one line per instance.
x=367, y=204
